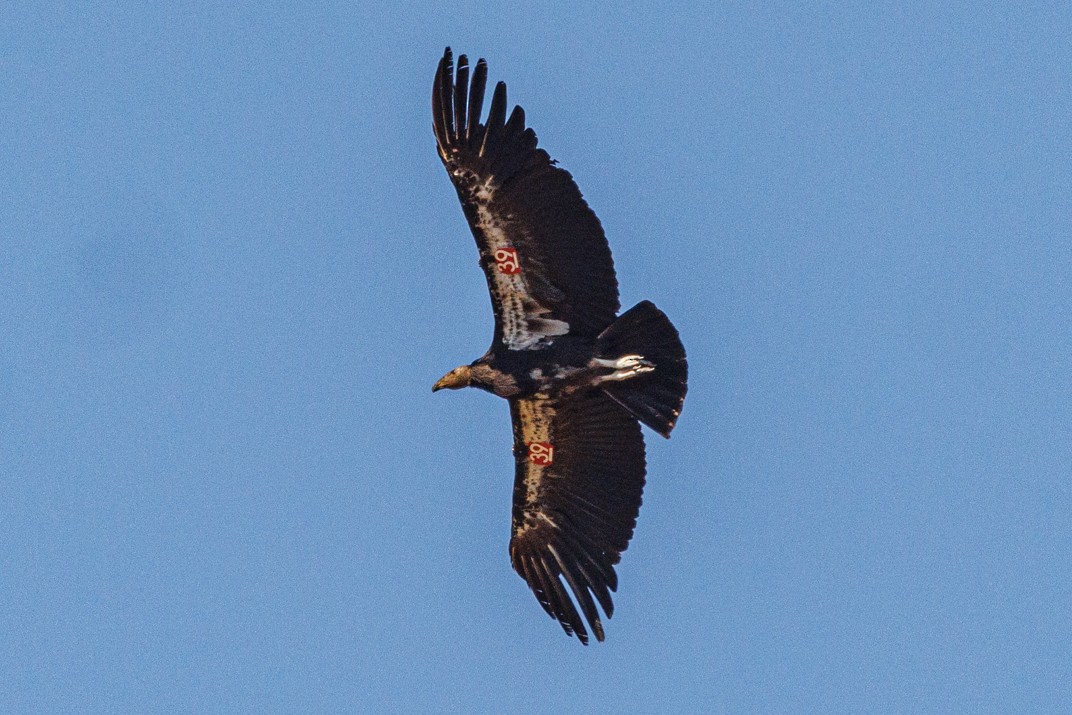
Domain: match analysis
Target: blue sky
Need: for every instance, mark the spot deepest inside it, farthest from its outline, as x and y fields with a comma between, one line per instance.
x=231, y=268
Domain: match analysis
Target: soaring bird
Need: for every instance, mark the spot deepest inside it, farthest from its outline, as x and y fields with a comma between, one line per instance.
x=579, y=378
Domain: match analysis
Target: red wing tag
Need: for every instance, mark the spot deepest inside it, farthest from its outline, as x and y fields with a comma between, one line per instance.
x=506, y=260
x=541, y=453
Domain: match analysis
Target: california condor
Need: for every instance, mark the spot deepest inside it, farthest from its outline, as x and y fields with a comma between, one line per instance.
x=578, y=376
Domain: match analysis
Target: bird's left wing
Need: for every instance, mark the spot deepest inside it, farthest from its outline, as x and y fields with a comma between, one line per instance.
x=579, y=479
x=542, y=249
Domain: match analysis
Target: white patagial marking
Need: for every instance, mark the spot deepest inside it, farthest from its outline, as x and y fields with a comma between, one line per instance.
x=506, y=261
x=527, y=324
x=542, y=454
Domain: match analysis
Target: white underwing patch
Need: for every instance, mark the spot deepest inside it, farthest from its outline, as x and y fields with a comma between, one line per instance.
x=526, y=324
x=536, y=416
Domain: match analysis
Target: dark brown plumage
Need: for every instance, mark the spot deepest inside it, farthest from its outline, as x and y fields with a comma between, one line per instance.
x=578, y=378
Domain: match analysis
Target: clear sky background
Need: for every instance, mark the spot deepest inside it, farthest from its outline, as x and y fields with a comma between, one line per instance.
x=232, y=266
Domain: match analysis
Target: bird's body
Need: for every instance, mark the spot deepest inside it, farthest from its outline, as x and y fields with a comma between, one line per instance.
x=520, y=373
x=577, y=375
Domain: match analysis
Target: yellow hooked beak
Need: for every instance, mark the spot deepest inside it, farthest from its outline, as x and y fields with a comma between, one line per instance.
x=456, y=379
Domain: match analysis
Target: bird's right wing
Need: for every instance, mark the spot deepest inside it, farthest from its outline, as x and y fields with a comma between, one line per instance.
x=580, y=474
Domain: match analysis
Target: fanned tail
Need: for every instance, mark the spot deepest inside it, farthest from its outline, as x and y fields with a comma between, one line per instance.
x=654, y=397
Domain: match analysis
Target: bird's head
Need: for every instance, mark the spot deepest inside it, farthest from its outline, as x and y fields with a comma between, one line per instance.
x=456, y=379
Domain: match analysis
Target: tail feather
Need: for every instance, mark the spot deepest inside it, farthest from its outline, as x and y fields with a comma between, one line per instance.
x=655, y=398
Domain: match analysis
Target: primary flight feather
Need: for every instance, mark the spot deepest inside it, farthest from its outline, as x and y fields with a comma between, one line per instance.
x=579, y=378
